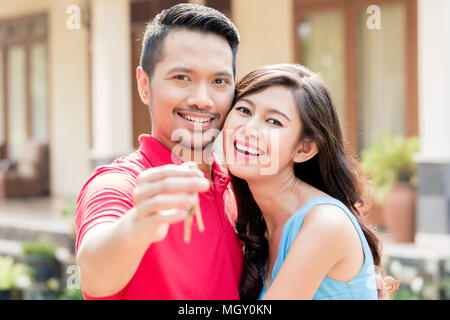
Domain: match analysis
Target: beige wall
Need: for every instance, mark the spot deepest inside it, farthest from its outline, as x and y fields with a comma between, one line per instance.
x=112, y=123
x=266, y=29
x=70, y=163
x=434, y=67
x=17, y=8
x=68, y=92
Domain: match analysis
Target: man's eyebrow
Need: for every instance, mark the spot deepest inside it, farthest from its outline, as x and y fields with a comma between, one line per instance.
x=187, y=70
x=224, y=73
x=180, y=69
x=269, y=110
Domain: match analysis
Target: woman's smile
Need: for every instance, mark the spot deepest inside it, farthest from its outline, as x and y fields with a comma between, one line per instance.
x=245, y=150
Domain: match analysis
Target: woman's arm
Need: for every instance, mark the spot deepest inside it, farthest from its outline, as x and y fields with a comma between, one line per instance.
x=321, y=243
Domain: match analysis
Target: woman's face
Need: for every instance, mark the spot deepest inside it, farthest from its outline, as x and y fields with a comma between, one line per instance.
x=261, y=133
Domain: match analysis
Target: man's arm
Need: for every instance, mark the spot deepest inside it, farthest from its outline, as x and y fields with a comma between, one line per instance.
x=110, y=253
x=108, y=256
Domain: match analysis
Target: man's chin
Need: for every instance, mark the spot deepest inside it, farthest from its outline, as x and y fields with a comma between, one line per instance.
x=197, y=146
x=196, y=141
x=197, y=152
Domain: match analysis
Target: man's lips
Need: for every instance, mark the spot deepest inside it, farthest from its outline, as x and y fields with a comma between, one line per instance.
x=196, y=119
x=199, y=115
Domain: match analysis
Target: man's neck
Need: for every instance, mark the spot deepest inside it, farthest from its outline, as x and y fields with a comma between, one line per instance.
x=203, y=157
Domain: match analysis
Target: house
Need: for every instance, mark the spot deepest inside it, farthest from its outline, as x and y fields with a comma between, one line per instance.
x=67, y=77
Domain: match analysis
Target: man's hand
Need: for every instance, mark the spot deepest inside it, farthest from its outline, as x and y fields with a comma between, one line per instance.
x=122, y=244
x=194, y=210
x=164, y=195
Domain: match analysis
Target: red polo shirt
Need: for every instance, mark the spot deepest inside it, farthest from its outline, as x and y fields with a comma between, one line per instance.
x=209, y=267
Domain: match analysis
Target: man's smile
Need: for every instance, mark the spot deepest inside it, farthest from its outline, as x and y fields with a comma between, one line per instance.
x=197, y=120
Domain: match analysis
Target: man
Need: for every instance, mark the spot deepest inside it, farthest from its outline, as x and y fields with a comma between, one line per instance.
x=125, y=249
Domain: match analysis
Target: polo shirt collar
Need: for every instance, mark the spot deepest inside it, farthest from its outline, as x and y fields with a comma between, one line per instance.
x=156, y=152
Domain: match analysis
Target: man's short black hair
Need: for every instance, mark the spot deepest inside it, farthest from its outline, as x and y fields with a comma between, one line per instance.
x=190, y=17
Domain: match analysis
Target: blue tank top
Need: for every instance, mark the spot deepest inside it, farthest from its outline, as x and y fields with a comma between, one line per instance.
x=361, y=287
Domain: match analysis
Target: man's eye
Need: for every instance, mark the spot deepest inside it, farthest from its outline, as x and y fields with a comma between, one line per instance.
x=181, y=77
x=220, y=81
x=244, y=110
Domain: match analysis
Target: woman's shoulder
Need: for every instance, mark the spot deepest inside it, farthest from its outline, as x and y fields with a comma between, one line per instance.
x=322, y=208
x=324, y=218
x=328, y=216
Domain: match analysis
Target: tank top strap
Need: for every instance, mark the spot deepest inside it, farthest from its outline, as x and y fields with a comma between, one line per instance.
x=295, y=222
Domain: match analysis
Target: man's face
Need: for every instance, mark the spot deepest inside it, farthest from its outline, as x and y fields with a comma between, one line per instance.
x=191, y=89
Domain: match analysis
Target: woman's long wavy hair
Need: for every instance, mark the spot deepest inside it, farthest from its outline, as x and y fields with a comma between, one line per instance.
x=333, y=170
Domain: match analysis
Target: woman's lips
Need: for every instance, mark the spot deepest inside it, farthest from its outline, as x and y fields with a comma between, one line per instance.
x=246, y=150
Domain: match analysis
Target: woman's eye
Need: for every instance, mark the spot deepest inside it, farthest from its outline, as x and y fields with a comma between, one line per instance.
x=243, y=110
x=275, y=122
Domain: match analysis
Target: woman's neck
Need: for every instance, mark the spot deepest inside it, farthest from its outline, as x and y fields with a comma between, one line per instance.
x=279, y=197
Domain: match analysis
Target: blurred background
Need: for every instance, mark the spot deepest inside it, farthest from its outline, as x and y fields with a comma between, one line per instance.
x=69, y=102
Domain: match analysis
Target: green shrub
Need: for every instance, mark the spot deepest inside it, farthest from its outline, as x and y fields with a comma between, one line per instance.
x=69, y=209
x=10, y=272
x=390, y=160
x=41, y=247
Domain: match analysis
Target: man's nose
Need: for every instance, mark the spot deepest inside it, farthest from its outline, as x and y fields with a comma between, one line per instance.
x=200, y=97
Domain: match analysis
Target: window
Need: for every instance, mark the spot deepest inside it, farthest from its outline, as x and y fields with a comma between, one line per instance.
x=372, y=73
x=23, y=83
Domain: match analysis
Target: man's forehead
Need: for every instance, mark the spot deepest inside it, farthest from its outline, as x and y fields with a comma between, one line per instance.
x=193, y=49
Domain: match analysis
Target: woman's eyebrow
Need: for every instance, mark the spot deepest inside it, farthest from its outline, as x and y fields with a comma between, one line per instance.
x=268, y=110
x=280, y=113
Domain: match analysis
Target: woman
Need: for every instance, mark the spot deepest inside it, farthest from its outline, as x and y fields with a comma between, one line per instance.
x=299, y=192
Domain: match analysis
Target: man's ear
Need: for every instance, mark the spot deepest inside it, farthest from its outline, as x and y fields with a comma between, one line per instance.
x=143, y=84
x=305, y=150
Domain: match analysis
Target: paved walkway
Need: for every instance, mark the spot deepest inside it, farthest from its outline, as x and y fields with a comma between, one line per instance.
x=28, y=219
x=35, y=213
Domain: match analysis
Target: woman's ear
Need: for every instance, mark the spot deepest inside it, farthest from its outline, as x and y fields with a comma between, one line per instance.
x=305, y=150
x=143, y=84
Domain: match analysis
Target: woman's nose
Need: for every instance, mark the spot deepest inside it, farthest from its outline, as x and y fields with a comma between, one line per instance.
x=251, y=130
